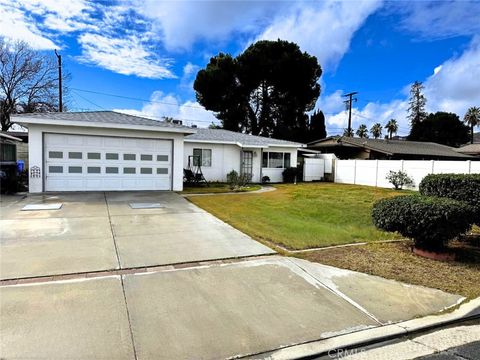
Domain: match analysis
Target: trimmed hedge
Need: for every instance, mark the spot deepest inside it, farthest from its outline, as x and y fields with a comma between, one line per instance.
x=430, y=221
x=290, y=175
x=461, y=187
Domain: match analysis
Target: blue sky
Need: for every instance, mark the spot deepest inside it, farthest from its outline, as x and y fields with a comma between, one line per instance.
x=152, y=50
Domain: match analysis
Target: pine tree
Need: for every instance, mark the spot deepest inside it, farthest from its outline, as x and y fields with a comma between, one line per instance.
x=417, y=102
x=317, y=128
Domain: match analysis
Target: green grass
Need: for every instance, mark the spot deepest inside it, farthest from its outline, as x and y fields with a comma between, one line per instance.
x=216, y=188
x=304, y=215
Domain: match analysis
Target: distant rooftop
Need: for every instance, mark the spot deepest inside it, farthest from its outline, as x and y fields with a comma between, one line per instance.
x=232, y=137
x=470, y=149
x=106, y=117
x=390, y=147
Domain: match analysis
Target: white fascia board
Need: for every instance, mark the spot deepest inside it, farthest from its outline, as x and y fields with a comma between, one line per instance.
x=296, y=146
x=26, y=121
x=211, y=142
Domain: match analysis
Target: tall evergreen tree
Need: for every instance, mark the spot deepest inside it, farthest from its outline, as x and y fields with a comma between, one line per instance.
x=317, y=126
x=417, y=102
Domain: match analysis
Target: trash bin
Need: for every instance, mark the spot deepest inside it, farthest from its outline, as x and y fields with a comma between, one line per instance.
x=20, y=165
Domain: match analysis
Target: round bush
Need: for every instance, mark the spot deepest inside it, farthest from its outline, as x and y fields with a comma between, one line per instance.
x=461, y=187
x=430, y=221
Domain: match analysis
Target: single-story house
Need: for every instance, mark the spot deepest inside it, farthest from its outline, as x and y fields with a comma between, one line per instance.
x=470, y=149
x=222, y=151
x=22, y=145
x=106, y=150
x=384, y=149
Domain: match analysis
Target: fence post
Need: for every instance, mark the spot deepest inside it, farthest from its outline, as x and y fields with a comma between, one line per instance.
x=376, y=173
x=335, y=170
x=402, y=163
x=433, y=166
x=355, y=172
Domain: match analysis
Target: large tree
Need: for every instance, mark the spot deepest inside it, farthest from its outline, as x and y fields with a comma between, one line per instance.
x=317, y=129
x=28, y=81
x=442, y=128
x=362, y=131
x=472, y=119
x=417, y=102
x=266, y=90
x=376, y=130
x=392, y=127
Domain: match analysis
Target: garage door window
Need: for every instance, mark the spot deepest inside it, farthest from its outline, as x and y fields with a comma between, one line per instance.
x=55, y=169
x=111, y=156
x=129, y=170
x=93, y=156
x=144, y=157
x=74, y=155
x=75, y=169
x=93, y=170
x=162, y=157
x=111, y=170
x=145, y=170
x=162, y=170
x=129, y=157
x=55, y=154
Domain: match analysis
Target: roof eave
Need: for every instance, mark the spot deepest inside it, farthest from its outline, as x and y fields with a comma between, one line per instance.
x=30, y=121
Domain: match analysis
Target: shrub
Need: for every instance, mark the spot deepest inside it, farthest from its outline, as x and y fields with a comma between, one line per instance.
x=399, y=179
x=265, y=179
x=430, y=221
x=461, y=187
x=290, y=174
x=236, y=181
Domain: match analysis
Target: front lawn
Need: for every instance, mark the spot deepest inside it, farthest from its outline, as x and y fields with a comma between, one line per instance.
x=396, y=261
x=304, y=215
x=216, y=187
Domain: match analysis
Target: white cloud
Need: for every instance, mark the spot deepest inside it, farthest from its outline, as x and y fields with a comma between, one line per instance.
x=323, y=29
x=161, y=105
x=439, y=19
x=128, y=56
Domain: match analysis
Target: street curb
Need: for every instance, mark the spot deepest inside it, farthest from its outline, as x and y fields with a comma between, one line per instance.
x=466, y=311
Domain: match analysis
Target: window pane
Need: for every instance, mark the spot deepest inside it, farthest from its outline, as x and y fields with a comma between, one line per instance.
x=145, y=170
x=162, y=157
x=55, y=169
x=207, y=157
x=275, y=160
x=162, y=170
x=197, y=157
x=129, y=157
x=74, y=155
x=93, y=156
x=146, y=157
x=286, y=160
x=8, y=152
x=75, y=169
x=111, y=156
x=93, y=170
x=265, y=160
x=129, y=170
x=55, y=154
x=111, y=170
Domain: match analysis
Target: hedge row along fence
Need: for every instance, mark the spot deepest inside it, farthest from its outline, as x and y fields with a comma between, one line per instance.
x=448, y=206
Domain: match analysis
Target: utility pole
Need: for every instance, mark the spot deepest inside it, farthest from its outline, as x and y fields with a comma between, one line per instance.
x=60, y=100
x=348, y=103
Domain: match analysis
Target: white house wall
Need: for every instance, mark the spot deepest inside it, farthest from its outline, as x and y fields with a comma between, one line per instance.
x=276, y=175
x=35, y=150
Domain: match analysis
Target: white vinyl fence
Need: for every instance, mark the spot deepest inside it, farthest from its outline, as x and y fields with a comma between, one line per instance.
x=313, y=169
x=373, y=172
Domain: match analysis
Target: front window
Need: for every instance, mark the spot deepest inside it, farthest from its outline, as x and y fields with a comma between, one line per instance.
x=276, y=160
x=202, y=157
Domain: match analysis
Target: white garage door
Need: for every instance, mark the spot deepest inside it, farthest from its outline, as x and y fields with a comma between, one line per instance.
x=90, y=163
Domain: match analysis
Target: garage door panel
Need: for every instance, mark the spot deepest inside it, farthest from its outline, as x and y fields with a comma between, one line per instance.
x=81, y=162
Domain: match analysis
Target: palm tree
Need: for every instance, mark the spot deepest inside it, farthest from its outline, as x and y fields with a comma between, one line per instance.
x=472, y=118
x=348, y=132
x=362, y=131
x=392, y=127
x=376, y=130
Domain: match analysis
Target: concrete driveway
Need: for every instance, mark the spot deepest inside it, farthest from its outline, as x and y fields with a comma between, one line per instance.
x=97, y=279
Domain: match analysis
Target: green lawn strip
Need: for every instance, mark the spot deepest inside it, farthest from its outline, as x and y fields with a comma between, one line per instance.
x=396, y=261
x=304, y=215
x=215, y=188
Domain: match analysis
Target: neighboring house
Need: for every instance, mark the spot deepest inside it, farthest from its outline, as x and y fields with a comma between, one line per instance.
x=470, y=149
x=22, y=147
x=8, y=149
x=221, y=151
x=103, y=150
x=384, y=149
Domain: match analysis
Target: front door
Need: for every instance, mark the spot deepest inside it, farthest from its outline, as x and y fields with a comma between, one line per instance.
x=247, y=163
